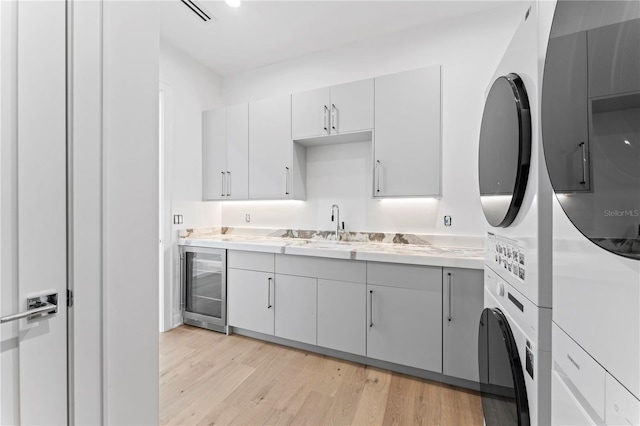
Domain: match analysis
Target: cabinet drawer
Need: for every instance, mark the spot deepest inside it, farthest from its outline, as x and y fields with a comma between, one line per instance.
x=405, y=276
x=578, y=368
x=250, y=260
x=317, y=267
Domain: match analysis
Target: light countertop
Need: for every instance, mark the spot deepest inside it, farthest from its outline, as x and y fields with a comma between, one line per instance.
x=426, y=253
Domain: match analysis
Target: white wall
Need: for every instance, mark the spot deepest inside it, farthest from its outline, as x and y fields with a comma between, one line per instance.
x=189, y=89
x=468, y=49
x=195, y=88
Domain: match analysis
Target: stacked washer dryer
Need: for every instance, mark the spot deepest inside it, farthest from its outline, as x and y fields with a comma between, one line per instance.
x=514, y=339
x=591, y=135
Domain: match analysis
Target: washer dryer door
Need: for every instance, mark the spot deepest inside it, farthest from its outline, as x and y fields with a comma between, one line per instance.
x=504, y=150
x=504, y=395
x=591, y=119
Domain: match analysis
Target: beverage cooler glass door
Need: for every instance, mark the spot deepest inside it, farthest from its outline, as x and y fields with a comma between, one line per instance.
x=205, y=288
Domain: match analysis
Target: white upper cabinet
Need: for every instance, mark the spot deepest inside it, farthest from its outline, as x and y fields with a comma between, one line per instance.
x=225, y=148
x=276, y=166
x=345, y=108
x=352, y=107
x=407, y=144
x=238, y=152
x=214, y=154
x=310, y=113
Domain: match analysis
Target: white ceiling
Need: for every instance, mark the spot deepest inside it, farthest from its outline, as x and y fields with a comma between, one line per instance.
x=264, y=32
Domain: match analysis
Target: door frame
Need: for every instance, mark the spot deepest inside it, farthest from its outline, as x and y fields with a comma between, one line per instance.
x=167, y=305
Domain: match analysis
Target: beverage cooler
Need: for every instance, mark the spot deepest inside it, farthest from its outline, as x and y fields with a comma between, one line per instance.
x=204, y=287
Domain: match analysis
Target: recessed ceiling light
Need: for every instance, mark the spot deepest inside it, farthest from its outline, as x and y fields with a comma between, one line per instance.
x=232, y=3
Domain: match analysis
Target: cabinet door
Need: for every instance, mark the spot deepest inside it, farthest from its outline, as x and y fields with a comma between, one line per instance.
x=352, y=107
x=295, y=308
x=310, y=113
x=614, y=62
x=566, y=140
x=214, y=154
x=405, y=326
x=462, y=304
x=407, y=134
x=341, y=316
x=238, y=152
x=270, y=148
x=250, y=300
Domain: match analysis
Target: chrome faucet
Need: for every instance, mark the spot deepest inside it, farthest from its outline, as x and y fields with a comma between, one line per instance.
x=335, y=217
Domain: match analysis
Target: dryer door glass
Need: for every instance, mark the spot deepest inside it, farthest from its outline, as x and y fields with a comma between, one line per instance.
x=504, y=395
x=505, y=150
x=591, y=119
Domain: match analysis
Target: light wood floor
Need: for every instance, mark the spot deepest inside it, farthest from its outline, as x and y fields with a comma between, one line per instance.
x=209, y=378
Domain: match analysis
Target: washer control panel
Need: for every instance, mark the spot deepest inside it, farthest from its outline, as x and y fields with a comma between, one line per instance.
x=508, y=255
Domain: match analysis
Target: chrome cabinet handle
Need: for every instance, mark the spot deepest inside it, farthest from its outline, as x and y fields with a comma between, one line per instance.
x=449, y=282
x=584, y=163
x=228, y=184
x=223, y=180
x=334, y=117
x=370, y=308
x=286, y=180
x=269, y=306
x=377, y=176
x=325, y=119
x=183, y=283
x=36, y=307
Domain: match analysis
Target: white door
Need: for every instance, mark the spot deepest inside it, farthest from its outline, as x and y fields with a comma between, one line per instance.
x=407, y=146
x=405, y=326
x=250, y=300
x=270, y=149
x=238, y=152
x=214, y=153
x=33, y=197
x=352, y=107
x=295, y=310
x=310, y=113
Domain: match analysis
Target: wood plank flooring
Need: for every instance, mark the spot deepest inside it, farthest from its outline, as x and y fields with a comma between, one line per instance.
x=207, y=378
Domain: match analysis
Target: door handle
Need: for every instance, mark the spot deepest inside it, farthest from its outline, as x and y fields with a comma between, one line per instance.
x=183, y=283
x=449, y=281
x=325, y=119
x=377, y=176
x=370, y=308
x=269, y=305
x=584, y=163
x=334, y=118
x=223, y=179
x=286, y=180
x=36, y=307
x=228, y=184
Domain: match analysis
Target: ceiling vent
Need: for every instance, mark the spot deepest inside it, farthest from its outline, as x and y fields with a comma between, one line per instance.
x=199, y=11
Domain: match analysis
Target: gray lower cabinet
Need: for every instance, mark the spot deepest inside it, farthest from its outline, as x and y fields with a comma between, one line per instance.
x=250, y=290
x=417, y=316
x=295, y=308
x=462, y=304
x=250, y=300
x=341, y=316
x=404, y=314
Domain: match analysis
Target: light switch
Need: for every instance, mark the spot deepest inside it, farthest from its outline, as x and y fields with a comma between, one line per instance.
x=447, y=221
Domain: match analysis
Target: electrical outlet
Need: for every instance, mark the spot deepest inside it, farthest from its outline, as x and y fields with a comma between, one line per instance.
x=247, y=218
x=447, y=220
x=177, y=219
